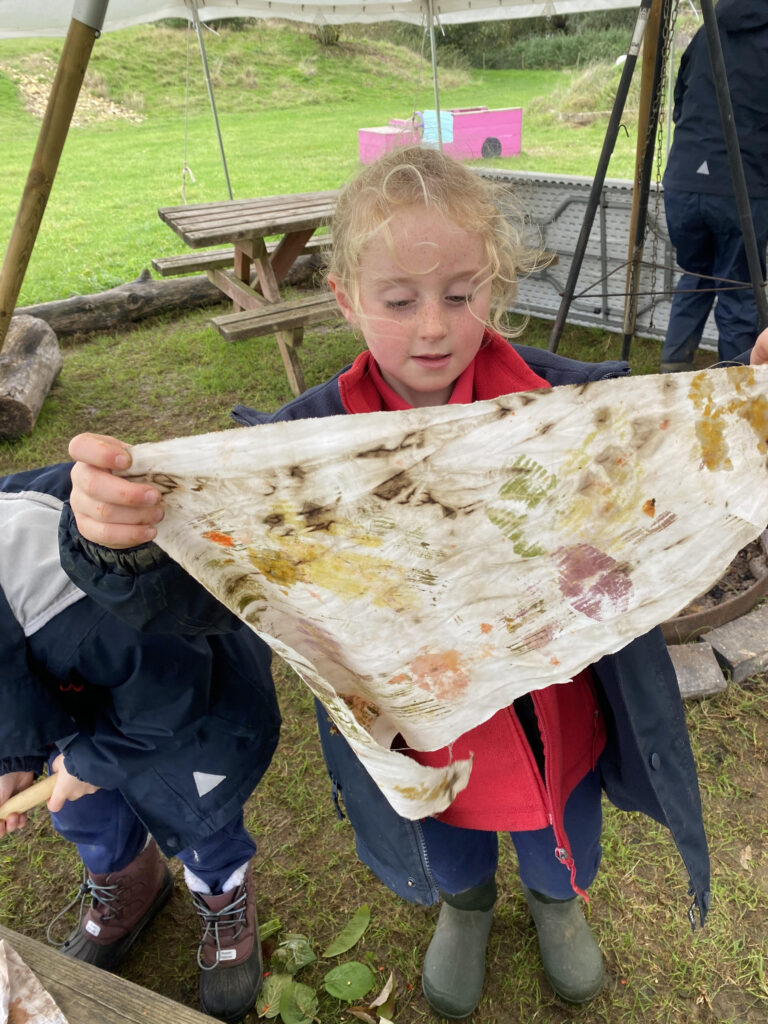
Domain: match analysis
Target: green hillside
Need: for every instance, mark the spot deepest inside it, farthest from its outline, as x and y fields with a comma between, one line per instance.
x=290, y=109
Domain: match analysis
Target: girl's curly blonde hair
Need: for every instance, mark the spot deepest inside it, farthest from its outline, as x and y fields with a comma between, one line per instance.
x=418, y=176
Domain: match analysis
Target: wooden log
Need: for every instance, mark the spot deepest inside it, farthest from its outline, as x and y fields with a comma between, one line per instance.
x=104, y=311
x=136, y=300
x=29, y=363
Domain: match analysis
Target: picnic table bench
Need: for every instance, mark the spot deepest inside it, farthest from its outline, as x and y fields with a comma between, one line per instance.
x=218, y=259
x=244, y=225
x=87, y=995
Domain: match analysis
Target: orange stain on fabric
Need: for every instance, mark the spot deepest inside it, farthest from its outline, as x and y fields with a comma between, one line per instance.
x=442, y=673
x=219, y=538
x=486, y=627
x=399, y=680
x=18, y=1013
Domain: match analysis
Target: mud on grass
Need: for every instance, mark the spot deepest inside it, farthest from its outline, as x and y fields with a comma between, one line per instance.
x=309, y=878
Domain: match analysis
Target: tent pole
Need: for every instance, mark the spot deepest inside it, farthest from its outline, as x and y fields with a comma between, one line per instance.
x=433, y=52
x=602, y=166
x=84, y=28
x=738, y=181
x=651, y=80
x=204, y=58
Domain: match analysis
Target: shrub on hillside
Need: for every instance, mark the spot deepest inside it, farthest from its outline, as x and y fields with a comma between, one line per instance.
x=590, y=90
x=556, y=51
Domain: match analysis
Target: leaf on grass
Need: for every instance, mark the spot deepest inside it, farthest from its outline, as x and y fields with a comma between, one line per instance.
x=385, y=1000
x=268, y=1002
x=269, y=928
x=361, y=1014
x=298, y=1004
x=293, y=953
x=350, y=981
x=350, y=933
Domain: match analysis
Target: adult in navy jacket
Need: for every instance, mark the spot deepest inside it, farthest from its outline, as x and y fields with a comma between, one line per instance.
x=647, y=764
x=701, y=213
x=148, y=735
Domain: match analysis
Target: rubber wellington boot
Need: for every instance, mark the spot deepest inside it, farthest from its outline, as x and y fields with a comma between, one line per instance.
x=454, y=967
x=572, y=959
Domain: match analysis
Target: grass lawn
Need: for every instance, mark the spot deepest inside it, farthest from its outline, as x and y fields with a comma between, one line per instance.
x=290, y=113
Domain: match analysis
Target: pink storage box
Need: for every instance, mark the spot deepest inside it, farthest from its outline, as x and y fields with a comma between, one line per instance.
x=467, y=133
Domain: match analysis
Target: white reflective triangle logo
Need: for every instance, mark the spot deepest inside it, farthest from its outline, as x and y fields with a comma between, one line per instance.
x=704, y=169
x=205, y=782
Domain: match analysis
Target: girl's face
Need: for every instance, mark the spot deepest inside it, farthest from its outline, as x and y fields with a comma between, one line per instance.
x=422, y=304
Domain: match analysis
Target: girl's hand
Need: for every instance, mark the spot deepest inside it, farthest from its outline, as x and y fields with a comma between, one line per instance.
x=10, y=784
x=67, y=786
x=759, y=354
x=109, y=510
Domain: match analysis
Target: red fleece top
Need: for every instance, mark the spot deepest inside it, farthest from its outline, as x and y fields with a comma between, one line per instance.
x=506, y=791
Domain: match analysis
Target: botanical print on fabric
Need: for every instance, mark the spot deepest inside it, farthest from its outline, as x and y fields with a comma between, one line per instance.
x=422, y=569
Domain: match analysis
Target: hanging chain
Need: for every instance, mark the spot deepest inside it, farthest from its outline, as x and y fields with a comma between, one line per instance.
x=186, y=170
x=666, y=74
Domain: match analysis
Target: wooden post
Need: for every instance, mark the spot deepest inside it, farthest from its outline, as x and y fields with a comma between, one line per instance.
x=647, y=123
x=53, y=132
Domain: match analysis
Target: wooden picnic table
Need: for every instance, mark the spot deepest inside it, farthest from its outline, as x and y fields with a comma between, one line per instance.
x=246, y=224
x=87, y=995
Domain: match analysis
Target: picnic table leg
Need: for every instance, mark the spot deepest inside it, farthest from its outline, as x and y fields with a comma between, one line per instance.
x=288, y=342
x=291, y=246
x=242, y=269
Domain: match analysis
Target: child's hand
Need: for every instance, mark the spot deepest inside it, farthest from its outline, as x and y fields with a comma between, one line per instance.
x=109, y=510
x=759, y=354
x=10, y=784
x=67, y=786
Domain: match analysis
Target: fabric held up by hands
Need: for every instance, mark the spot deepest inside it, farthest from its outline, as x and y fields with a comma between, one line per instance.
x=422, y=569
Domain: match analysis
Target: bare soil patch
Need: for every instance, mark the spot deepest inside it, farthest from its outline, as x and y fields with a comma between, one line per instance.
x=33, y=77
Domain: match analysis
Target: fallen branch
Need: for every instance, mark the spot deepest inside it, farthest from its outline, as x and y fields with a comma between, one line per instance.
x=144, y=297
x=136, y=300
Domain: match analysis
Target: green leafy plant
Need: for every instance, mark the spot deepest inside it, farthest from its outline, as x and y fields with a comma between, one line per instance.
x=296, y=1002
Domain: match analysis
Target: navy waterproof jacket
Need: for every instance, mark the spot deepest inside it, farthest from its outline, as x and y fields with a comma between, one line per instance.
x=698, y=158
x=647, y=764
x=184, y=726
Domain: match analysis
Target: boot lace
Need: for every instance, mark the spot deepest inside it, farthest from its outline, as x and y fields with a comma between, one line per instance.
x=220, y=926
x=103, y=894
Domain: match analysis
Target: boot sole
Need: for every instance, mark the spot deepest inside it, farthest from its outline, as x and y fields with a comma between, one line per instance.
x=236, y=1015
x=78, y=947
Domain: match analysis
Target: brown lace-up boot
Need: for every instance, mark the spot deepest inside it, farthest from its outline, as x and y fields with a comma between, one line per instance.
x=230, y=952
x=123, y=903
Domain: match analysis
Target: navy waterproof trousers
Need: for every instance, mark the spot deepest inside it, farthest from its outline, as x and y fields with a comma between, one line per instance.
x=706, y=233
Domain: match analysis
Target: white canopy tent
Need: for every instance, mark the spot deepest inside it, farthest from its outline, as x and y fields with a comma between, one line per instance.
x=52, y=17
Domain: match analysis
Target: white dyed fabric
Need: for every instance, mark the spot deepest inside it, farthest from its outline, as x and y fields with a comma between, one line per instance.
x=22, y=997
x=422, y=569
